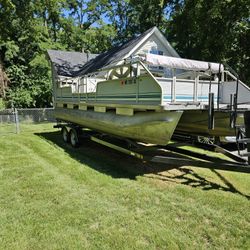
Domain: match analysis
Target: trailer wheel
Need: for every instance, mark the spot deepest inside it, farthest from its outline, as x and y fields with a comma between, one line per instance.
x=74, y=138
x=65, y=134
x=241, y=134
x=206, y=140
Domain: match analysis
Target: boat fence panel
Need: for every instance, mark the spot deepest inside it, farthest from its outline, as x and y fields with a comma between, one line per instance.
x=130, y=90
x=64, y=94
x=203, y=90
x=166, y=85
x=229, y=88
x=183, y=90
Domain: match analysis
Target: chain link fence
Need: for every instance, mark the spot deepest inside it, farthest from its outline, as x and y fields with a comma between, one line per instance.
x=8, y=121
x=21, y=120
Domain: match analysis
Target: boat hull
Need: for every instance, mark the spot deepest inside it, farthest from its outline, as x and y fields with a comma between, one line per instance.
x=149, y=127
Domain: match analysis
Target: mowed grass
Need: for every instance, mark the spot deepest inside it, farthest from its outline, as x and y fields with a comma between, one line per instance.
x=56, y=197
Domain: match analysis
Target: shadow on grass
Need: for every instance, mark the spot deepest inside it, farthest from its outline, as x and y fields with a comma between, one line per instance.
x=189, y=177
x=118, y=165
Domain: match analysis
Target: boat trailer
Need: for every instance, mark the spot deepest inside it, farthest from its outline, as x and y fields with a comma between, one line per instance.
x=175, y=153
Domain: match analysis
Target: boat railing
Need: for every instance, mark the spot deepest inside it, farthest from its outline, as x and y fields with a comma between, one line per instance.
x=174, y=89
x=87, y=85
x=235, y=78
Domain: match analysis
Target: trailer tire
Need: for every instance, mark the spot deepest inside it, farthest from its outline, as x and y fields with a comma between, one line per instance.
x=210, y=140
x=74, y=138
x=65, y=134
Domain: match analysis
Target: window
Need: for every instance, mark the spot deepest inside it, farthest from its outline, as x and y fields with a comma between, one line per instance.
x=61, y=83
x=155, y=51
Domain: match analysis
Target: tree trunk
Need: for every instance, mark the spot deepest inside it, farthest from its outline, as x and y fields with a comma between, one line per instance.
x=3, y=81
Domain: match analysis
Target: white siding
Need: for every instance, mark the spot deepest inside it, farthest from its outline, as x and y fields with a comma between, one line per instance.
x=150, y=43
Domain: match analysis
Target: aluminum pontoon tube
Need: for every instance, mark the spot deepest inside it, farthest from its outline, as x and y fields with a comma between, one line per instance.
x=150, y=127
x=194, y=122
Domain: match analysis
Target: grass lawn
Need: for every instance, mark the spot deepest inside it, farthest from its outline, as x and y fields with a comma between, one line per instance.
x=56, y=197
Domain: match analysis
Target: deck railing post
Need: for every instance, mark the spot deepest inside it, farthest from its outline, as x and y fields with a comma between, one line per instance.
x=173, y=85
x=196, y=82
x=85, y=83
x=173, y=89
x=137, y=81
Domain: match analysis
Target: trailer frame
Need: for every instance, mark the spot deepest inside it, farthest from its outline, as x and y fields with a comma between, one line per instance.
x=155, y=154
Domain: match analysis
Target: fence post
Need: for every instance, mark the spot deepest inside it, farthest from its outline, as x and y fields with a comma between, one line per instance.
x=16, y=121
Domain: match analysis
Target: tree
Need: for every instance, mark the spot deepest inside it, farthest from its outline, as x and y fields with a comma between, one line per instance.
x=199, y=29
x=86, y=13
x=23, y=44
x=132, y=17
x=214, y=31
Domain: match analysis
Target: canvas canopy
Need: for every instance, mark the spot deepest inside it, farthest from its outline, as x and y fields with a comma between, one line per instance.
x=180, y=63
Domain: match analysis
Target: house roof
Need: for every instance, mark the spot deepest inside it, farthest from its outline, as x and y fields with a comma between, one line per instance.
x=69, y=63
x=124, y=51
x=113, y=55
x=74, y=64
